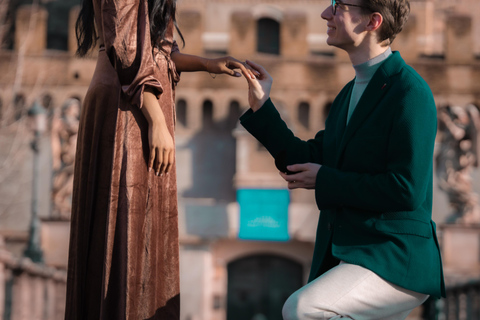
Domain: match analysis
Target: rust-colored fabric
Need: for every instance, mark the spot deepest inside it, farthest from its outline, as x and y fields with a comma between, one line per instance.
x=123, y=259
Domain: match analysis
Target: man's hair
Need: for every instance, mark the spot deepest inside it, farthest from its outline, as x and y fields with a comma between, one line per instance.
x=395, y=15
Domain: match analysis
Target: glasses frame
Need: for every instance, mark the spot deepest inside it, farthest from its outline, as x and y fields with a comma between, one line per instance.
x=335, y=4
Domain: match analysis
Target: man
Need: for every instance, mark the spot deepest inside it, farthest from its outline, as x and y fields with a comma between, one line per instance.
x=376, y=253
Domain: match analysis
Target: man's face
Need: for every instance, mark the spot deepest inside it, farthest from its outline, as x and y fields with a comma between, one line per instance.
x=346, y=28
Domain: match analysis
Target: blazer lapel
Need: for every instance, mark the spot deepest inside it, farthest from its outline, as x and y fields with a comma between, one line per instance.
x=374, y=92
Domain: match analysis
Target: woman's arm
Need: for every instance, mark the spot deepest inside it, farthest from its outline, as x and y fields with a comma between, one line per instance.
x=162, y=148
x=190, y=63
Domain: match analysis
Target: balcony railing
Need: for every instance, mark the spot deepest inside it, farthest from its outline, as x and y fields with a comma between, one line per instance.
x=462, y=303
x=30, y=290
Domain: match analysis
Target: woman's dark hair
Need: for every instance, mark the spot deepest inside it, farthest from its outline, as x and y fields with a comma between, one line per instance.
x=159, y=11
x=85, y=29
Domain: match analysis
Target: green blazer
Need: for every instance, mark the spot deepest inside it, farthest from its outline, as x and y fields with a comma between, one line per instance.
x=374, y=188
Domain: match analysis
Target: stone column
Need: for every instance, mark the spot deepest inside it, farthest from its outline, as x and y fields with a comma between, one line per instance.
x=406, y=41
x=293, y=35
x=37, y=298
x=50, y=303
x=459, y=39
x=191, y=24
x=31, y=29
x=243, y=37
x=60, y=299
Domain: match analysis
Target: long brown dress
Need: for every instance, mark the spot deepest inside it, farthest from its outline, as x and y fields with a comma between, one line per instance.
x=123, y=259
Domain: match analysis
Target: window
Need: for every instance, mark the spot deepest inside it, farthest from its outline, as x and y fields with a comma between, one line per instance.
x=304, y=114
x=326, y=110
x=268, y=36
x=233, y=114
x=207, y=114
x=58, y=24
x=181, y=108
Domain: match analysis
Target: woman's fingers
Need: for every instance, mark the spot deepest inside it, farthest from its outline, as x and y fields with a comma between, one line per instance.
x=151, y=160
x=245, y=68
x=235, y=64
x=163, y=161
x=159, y=160
x=169, y=162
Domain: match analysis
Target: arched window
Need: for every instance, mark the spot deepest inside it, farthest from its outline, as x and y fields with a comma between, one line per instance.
x=268, y=36
x=326, y=110
x=304, y=114
x=207, y=114
x=181, y=108
x=233, y=114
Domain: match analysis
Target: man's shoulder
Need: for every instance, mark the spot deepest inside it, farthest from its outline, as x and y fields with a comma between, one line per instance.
x=410, y=76
x=407, y=75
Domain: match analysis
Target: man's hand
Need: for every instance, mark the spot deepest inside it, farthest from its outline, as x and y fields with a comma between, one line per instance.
x=259, y=86
x=304, y=177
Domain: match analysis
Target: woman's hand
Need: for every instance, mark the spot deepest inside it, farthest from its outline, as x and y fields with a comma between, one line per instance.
x=227, y=65
x=162, y=148
x=258, y=86
x=160, y=141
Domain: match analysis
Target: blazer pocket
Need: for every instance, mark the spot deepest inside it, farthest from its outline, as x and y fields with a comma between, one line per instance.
x=411, y=227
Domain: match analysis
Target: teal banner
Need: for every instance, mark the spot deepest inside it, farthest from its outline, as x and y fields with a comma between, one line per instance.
x=263, y=214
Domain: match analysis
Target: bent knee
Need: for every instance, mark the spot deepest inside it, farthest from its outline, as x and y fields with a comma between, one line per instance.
x=296, y=306
x=301, y=306
x=289, y=310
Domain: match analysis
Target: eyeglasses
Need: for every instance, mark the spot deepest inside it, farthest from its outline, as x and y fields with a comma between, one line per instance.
x=335, y=4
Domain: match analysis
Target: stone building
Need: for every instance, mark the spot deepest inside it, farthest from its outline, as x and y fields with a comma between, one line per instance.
x=246, y=241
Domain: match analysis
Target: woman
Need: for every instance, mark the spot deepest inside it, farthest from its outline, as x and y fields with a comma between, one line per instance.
x=123, y=260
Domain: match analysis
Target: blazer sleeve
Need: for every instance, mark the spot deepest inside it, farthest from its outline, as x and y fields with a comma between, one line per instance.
x=267, y=126
x=126, y=32
x=403, y=185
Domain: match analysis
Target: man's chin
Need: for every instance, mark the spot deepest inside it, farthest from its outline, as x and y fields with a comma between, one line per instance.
x=332, y=43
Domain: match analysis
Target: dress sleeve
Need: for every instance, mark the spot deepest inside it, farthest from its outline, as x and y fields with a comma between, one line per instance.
x=126, y=33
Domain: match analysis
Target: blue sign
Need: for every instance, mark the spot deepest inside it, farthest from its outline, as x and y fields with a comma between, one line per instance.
x=263, y=214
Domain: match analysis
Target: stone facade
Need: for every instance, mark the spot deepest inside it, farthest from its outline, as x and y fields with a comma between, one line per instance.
x=215, y=156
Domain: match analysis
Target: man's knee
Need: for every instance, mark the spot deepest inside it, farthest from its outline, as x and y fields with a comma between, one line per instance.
x=299, y=306
x=289, y=310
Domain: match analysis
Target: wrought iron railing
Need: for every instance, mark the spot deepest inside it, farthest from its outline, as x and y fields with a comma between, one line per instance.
x=30, y=290
x=462, y=303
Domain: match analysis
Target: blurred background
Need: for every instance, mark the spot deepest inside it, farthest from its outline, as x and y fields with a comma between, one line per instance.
x=246, y=241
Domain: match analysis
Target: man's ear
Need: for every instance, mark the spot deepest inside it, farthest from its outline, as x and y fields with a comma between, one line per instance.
x=375, y=21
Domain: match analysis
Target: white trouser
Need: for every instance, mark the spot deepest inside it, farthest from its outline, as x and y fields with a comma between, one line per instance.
x=348, y=291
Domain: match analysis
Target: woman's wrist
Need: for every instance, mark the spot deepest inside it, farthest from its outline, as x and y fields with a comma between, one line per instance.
x=151, y=110
x=206, y=63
